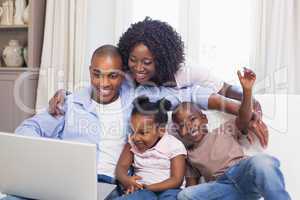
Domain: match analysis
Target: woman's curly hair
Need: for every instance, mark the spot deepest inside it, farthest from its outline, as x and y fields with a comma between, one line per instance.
x=162, y=40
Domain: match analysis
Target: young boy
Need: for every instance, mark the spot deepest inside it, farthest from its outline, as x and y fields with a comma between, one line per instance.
x=219, y=158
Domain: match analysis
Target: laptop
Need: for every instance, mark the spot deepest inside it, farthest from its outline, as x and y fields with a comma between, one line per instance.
x=40, y=168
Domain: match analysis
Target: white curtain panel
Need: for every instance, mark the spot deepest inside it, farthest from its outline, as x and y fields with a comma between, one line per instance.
x=297, y=43
x=189, y=28
x=275, y=45
x=63, y=49
x=123, y=17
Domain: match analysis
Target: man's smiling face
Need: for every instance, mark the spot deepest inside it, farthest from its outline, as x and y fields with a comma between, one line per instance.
x=106, y=78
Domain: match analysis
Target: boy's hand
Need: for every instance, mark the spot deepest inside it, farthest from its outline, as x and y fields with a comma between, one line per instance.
x=259, y=129
x=247, y=80
x=131, y=185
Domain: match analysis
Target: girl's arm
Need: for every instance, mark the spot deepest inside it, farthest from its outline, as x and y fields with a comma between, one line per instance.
x=124, y=163
x=176, y=178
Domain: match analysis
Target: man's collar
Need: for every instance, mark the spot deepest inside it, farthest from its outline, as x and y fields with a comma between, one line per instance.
x=84, y=98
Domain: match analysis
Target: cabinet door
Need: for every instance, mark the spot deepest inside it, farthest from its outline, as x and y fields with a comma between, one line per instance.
x=6, y=104
x=18, y=92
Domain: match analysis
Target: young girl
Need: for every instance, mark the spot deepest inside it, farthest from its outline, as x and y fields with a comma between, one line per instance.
x=158, y=159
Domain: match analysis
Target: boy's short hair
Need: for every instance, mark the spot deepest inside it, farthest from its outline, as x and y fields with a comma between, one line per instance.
x=186, y=105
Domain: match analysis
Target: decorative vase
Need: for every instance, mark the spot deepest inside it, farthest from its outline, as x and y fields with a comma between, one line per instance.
x=12, y=54
x=7, y=13
x=25, y=16
x=20, y=7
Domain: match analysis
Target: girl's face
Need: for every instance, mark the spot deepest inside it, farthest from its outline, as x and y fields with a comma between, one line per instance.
x=146, y=132
x=141, y=64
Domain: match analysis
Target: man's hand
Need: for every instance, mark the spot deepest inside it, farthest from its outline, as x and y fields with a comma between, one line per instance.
x=248, y=79
x=56, y=103
x=131, y=185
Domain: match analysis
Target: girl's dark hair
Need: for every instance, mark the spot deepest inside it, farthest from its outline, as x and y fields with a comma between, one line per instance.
x=158, y=109
x=164, y=43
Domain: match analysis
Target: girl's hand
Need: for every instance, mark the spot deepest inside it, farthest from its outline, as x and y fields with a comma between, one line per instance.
x=247, y=80
x=131, y=185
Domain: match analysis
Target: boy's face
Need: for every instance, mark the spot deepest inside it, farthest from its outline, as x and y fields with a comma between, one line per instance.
x=191, y=124
x=106, y=78
x=145, y=131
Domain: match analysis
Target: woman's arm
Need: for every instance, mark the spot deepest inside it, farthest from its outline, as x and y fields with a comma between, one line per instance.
x=221, y=103
x=236, y=92
x=231, y=91
x=176, y=178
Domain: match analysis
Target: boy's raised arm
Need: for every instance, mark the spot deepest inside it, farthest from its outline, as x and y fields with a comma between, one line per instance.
x=245, y=112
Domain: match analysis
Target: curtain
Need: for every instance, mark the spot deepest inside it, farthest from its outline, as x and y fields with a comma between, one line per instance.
x=216, y=35
x=189, y=28
x=275, y=40
x=62, y=62
x=123, y=17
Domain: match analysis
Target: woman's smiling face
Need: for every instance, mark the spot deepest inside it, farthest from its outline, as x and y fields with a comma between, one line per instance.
x=141, y=63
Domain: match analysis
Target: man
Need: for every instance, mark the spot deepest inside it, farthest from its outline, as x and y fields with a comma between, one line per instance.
x=97, y=114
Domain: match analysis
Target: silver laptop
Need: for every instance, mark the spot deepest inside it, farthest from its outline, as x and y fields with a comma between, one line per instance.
x=40, y=168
